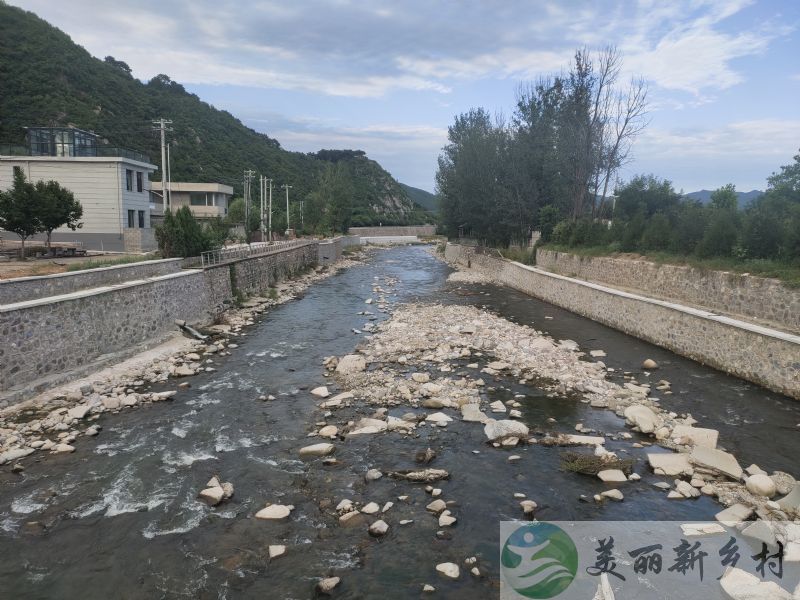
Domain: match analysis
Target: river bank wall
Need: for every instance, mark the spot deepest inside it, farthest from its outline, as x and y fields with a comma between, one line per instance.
x=764, y=356
x=765, y=301
x=45, y=339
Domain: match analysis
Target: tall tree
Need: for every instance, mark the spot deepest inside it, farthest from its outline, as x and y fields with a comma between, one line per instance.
x=21, y=210
x=58, y=206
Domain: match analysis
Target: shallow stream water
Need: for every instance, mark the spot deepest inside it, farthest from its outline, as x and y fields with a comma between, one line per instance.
x=119, y=518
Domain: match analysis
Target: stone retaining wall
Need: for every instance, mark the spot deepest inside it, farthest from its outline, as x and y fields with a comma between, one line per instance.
x=255, y=274
x=762, y=300
x=763, y=356
x=47, y=340
x=330, y=251
x=21, y=289
x=48, y=336
x=423, y=230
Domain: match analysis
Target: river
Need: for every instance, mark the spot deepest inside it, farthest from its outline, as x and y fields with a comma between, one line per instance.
x=118, y=518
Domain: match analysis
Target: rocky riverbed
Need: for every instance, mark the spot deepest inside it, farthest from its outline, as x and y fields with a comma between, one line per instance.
x=365, y=441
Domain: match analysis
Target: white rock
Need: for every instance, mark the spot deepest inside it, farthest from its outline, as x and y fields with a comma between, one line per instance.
x=322, y=449
x=642, y=417
x=716, y=460
x=326, y=585
x=613, y=494
x=344, y=505
x=649, y=364
x=79, y=412
x=371, y=508
x=378, y=528
x=695, y=436
x=63, y=448
x=328, y=431
x=528, y=506
x=436, y=506
x=337, y=400
x=445, y=519
x=421, y=377
x=612, y=476
x=761, y=485
x=320, y=392
x=448, y=570
x=670, y=464
x=733, y=515
x=351, y=363
x=438, y=417
x=212, y=495
x=276, y=550
x=496, y=430
x=275, y=512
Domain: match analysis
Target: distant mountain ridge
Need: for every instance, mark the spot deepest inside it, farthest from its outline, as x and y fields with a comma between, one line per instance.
x=426, y=200
x=48, y=80
x=744, y=198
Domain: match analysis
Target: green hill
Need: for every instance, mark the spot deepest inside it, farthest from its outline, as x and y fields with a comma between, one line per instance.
x=426, y=200
x=47, y=79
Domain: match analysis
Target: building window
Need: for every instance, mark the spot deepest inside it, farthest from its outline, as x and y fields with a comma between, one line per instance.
x=198, y=199
x=141, y=219
x=139, y=181
x=130, y=218
x=17, y=170
x=129, y=180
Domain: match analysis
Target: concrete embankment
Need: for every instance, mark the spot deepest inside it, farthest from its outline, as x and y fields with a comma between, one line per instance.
x=765, y=356
x=112, y=313
x=762, y=300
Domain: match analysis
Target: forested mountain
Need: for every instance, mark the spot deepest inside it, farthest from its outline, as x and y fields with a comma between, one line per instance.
x=745, y=199
x=426, y=200
x=47, y=79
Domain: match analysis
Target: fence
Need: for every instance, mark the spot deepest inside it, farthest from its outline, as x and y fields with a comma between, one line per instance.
x=215, y=257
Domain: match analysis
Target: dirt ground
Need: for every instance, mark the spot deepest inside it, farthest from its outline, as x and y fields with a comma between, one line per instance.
x=48, y=266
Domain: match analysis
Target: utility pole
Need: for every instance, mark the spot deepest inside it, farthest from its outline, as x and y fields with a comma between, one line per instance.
x=162, y=127
x=169, y=177
x=270, y=208
x=262, y=196
x=248, y=176
x=286, y=186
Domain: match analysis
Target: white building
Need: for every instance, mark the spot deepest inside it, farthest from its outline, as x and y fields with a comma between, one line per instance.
x=112, y=185
x=205, y=200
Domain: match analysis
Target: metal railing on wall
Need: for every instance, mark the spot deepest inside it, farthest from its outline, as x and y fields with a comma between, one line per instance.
x=215, y=257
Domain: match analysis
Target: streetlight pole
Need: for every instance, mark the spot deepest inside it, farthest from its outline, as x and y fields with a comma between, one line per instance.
x=286, y=186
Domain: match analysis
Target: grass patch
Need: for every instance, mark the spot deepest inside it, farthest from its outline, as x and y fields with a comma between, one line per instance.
x=110, y=262
x=788, y=273
x=526, y=256
x=589, y=464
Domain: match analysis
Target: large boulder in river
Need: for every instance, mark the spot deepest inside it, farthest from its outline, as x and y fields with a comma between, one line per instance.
x=497, y=430
x=761, y=485
x=322, y=449
x=716, y=461
x=642, y=417
x=351, y=363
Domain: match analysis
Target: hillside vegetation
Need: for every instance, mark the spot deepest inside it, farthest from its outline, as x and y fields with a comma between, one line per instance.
x=47, y=79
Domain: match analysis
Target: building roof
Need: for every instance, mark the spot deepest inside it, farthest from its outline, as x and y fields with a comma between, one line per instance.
x=80, y=159
x=182, y=186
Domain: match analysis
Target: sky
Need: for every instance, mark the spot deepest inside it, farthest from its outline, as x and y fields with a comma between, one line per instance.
x=389, y=77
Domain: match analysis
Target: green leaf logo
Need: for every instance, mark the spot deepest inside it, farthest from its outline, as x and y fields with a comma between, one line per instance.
x=539, y=560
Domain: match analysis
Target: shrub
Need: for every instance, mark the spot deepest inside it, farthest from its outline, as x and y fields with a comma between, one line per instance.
x=181, y=235
x=656, y=236
x=720, y=236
